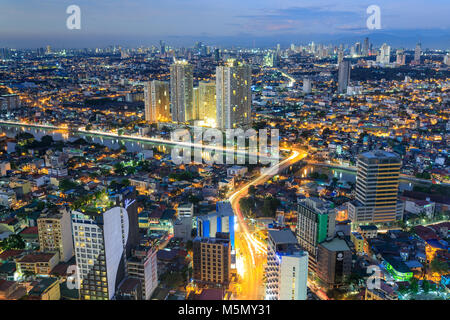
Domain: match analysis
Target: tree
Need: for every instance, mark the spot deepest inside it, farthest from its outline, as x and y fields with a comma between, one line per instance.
x=426, y=286
x=47, y=141
x=193, y=199
x=14, y=241
x=67, y=184
x=189, y=245
x=414, y=285
x=247, y=206
x=438, y=266
x=270, y=206
x=252, y=190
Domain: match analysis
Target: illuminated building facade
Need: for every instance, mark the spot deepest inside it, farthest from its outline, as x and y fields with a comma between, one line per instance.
x=103, y=239
x=234, y=95
x=334, y=262
x=212, y=260
x=287, y=267
x=181, y=92
x=55, y=234
x=315, y=223
x=223, y=220
x=377, y=184
x=207, y=103
x=157, y=102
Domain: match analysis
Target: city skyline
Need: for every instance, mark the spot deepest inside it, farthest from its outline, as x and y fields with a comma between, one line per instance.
x=241, y=23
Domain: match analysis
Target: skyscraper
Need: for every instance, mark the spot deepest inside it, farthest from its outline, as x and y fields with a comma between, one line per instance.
x=234, y=95
x=181, y=92
x=365, y=50
x=157, y=102
x=315, y=223
x=104, y=235
x=384, y=55
x=207, y=102
x=340, y=57
x=344, y=76
x=287, y=267
x=377, y=184
x=401, y=57
x=417, y=53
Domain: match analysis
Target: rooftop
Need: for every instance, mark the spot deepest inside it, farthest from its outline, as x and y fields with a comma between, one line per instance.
x=282, y=236
x=336, y=244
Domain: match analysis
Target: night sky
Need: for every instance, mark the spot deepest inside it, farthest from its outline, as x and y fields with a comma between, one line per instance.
x=28, y=23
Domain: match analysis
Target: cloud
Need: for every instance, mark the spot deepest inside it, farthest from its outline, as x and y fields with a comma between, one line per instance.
x=319, y=19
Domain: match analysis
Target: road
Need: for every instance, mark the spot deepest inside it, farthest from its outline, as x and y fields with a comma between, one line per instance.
x=251, y=252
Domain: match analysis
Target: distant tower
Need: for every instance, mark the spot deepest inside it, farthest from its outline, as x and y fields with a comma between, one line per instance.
x=384, y=56
x=366, y=47
x=181, y=91
x=417, y=53
x=344, y=76
x=447, y=59
x=401, y=57
x=162, y=47
x=49, y=50
x=340, y=57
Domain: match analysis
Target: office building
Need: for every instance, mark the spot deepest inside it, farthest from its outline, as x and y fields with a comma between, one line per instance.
x=104, y=235
x=55, y=232
x=223, y=220
x=287, y=267
x=212, y=260
x=417, y=53
x=315, y=223
x=377, y=184
x=334, y=262
x=185, y=210
x=181, y=92
x=401, y=58
x=157, y=102
x=182, y=228
x=142, y=265
x=344, y=76
x=366, y=44
x=234, y=96
x=340, y=57
x=384, y=55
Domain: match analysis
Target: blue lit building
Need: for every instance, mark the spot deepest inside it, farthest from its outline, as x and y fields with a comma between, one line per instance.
x=223, y=220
